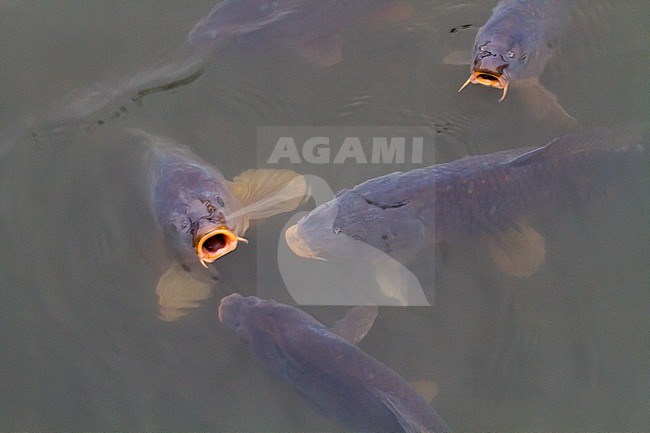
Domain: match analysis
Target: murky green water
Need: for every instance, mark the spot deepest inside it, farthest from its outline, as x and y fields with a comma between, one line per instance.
x=81, y=344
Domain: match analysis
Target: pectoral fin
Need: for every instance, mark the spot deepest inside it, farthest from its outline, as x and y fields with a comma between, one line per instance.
x=517, y=252
x=410, y=421
x=397, y=284
x=543, y=103
x=178, y=292
x=356, y=323
x=427, y=389
x=266, y=192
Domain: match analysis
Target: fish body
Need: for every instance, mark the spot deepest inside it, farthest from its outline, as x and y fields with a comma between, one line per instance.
x=494, y=197
x=516, y=42
x=309, y=27
x=203, y=216
x=338, y=379
x=193, y=204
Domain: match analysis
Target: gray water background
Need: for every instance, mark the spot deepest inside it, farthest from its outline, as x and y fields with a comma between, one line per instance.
x=81, y=345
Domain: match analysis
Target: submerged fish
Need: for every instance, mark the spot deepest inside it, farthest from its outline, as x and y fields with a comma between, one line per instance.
x=202, y=215
x=515, y=43
x=85, y=109
x=309, y=27
x=337, y=378
x=493, y=197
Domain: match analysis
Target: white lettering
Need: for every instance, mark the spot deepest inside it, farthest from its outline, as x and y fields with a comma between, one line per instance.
x=284, y=148
x=317, y=150
x=351, y=148
x=387, y=153
x=321, y=154
x=416, y=155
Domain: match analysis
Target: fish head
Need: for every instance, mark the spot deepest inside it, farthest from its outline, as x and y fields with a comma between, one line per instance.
x=234, y=311
x=205, y=227
x=325, y=233
x=352, y=226
x=237, y=18
x=315, y=235
x=495, y=64
x=192, y=202
x=264, y=326
x=248, y=315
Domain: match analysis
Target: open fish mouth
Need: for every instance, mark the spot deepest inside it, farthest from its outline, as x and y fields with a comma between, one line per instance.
x=490, y=79
x=216, y=243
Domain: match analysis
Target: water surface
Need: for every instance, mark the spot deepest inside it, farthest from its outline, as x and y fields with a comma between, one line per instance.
x=82, y=346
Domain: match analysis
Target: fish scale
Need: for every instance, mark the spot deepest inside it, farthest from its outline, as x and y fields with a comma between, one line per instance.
x=494, y=195
x=336, y=377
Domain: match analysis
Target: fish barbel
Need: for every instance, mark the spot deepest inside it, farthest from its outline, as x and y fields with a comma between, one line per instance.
x=516, y=42
x=511, y=50
x=202, y=215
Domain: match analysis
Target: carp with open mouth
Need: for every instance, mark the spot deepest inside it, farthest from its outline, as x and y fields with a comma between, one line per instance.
x=203, y=216
x=514, y=46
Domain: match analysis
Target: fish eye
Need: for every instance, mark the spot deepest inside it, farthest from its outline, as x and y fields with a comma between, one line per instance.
x=337, y=230
x=511, y=54
x=181, y=223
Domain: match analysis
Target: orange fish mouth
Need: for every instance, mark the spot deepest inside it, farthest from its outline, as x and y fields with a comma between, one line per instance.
x=216, y=243
x=490, y=79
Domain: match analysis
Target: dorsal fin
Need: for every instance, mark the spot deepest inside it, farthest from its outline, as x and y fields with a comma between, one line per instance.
x=528, y=157
x=615, y=139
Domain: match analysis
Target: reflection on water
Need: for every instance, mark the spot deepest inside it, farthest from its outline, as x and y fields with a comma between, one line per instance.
x=82, y=345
